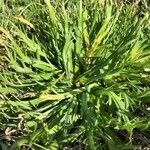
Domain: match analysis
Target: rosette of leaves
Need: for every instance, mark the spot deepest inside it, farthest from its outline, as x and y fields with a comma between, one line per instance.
x=80, y=76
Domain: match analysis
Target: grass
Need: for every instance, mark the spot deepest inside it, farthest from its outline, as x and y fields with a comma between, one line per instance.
x=74, y=75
